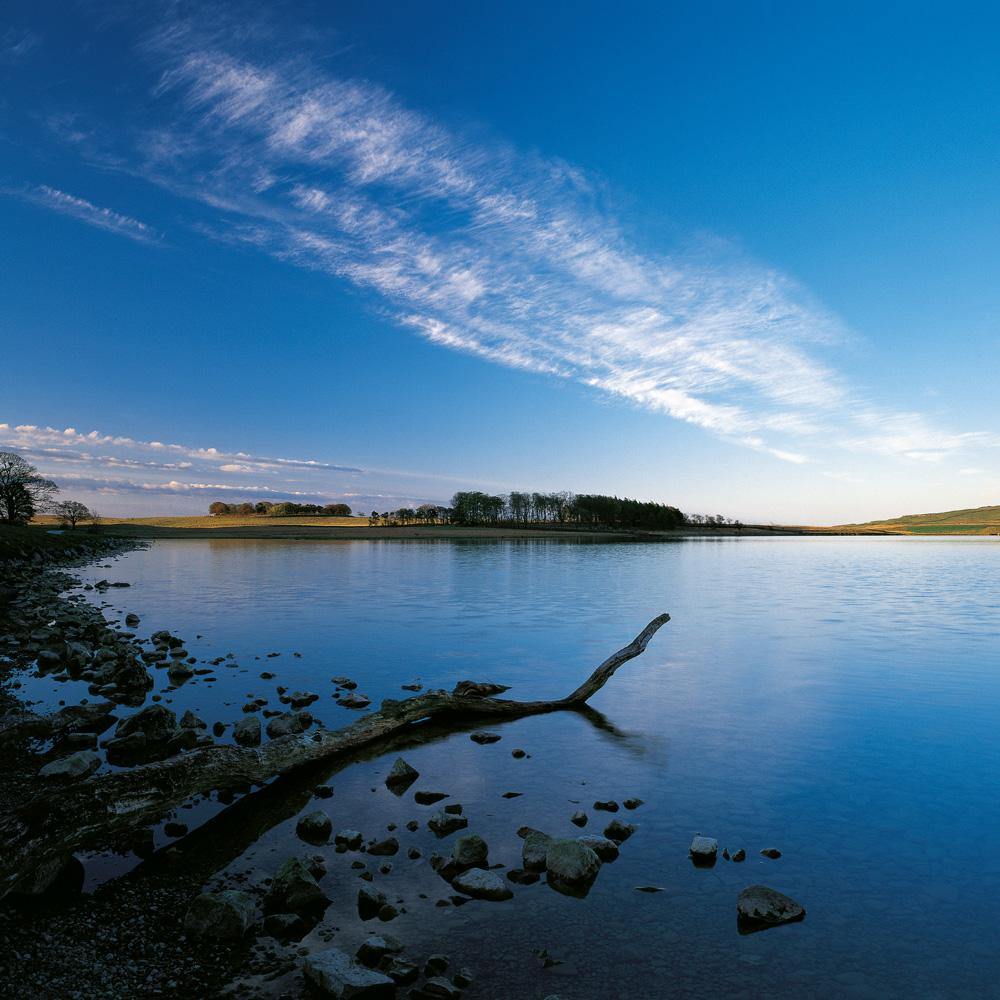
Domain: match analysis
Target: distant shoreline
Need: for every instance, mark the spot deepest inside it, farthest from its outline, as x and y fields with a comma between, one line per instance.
x=357, y=529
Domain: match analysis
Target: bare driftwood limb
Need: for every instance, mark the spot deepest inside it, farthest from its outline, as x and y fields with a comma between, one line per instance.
x=109, y=807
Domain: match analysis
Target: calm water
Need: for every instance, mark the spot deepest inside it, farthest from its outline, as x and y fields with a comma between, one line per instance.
x=836, y=698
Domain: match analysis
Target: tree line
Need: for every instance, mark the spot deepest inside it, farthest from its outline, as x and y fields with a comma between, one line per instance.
x=283, y=509
x=525, y=510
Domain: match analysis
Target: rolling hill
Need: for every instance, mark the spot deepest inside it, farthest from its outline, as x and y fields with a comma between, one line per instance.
x=974, y=521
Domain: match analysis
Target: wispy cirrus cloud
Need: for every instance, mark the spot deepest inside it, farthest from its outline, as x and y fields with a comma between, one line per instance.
x=507, y=256
x=87, y=212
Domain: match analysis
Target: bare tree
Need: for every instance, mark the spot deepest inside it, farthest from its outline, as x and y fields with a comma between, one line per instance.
x=23, y=492
x=71, y=512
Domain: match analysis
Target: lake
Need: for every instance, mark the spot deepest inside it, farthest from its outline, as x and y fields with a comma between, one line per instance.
x=836, y=698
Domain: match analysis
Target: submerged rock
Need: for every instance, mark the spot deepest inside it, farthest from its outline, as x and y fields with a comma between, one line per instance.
x=333, y=973
x=220, y=916
x=760, y=907
x=770, y=852
x=605, y=849
x=534, y=850
x=483, y=738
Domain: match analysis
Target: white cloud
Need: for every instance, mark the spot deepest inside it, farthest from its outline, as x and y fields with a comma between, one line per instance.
x=88, y=212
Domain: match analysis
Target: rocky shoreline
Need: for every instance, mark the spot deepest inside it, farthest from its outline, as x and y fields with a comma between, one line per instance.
x=184, y=922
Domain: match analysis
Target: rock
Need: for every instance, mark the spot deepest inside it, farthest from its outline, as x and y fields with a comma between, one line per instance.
x=376, y=947
x=518, y=754
x=609, y=806
x=521, y=877
x=454, y=808
x=383, y=847
x=174, y=829
x=470, y=851
x=571, y=866
x=220, y=916
x=482, y=884
x=131, y=620
x=703, y=850
x=436, y=965
x=288, y=724
x=478, y=689
x=428, y=798
x=401, y=776
x=314, y=827
x=401, y=972
x=294, y=890
x=285, y=926
x=739, y=855
x=533, y=852
x=759, y=907
x=438, y=986
x=323, y=792
x=150, y=734
x=387, y=912
x=618, y=831
x=78, y=765
x=483, y=738
x=442, y=823
x=335, y=974
x=246, y=732
x=349, y=839
x=632, y=803
x=370, y=901
x=579, y=819
x=649, y=888
x=770, y=852
x=191, y=721
x=300, y=699
x=354, y=700
x=344, y=682
x=605, y=849
x=511, y=795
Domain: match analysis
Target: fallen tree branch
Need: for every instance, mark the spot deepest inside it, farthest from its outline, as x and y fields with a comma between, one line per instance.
x=111, y=806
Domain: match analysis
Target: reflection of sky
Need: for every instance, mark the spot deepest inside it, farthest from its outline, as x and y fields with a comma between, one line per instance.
x=835, y=698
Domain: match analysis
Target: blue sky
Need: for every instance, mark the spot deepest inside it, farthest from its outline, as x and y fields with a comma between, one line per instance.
x=736, y=257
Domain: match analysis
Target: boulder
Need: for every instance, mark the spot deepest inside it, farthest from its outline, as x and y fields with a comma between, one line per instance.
x=285, y=926
x=288, y=724
x=78, y=765
x=294, y=890
x=150, y=734
x=401, y=776
x=388, y=846
x=605, y=849
x=442, y=823
x=760, y=907
x=314, y=827
x=482, y=884
x=370, y=902
x=191, y=721
x=536, y=847
x=333, y=973
x=470, y=851
x=247, y=732
x=374, y=948
x=618, y=831
x=571, y=867
x=220, y=916
x=703, y=850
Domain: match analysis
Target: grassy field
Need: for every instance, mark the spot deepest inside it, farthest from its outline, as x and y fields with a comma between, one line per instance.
x=973, y=521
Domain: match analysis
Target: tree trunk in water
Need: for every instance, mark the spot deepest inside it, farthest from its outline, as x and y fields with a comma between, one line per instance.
x=111, y=806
